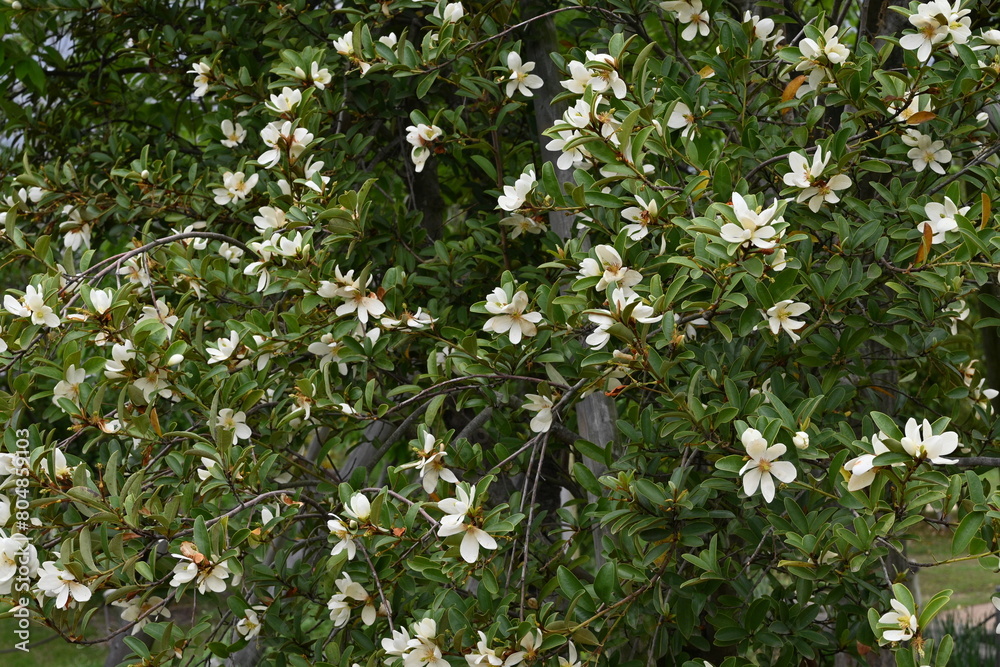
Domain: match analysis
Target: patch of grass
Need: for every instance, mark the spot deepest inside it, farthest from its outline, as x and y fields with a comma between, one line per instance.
x=971, y=582
x=55, y=652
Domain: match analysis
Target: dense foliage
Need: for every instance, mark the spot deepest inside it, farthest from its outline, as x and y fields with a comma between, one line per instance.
x=625, y=333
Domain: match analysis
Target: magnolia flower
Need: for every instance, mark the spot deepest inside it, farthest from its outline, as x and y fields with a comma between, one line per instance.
x=929, y=30
x=520, y=79
x=621, y=299
x=364, y=304
x=598, y=79
x=282, y=139
x=509, y=316
x=270, y=219
x=543, y=405
x=514, y=195
x=522, y=224
x=319, y=77
x=926, y=445
x=484, y=656
x=339, y=530
x=61, y=585
x=691, y=13
x=570, y=157
x=815, y=188
x=639, y=218
x=63, y=470
x=424, y=650
x=32, y=305
x=223, y=349
x=763, y=29
x=69, y=388
x=101, y=300
x=474, y=538
x=572, y=661
x=612, y=271
x=136, y=274
x=160, y=312
x=453, y=11
x=250, y=625
x=16, y=551
x=234, y=133
x=77, y=231
x=754, y=228
x=328, y=349
x=681, y=117
x=763, y=464
x=194, y=566
x=801, y=440
x=201, y=81
x=235, y=422
x=421, y=137
x=941, y=218
x=862, y=468
x=340, y=611
x=359, y=508
x=140, y=612
x=903, y=618
x=114, y=368
x=389, y=40
x=780, y=315
x=234, y=187
x=431, y=464
x=286, y=102
x=926, y=152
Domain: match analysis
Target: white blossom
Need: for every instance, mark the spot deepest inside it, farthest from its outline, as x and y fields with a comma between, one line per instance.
x=763, y=466
x=520, y=78
x=779, y=316
x=542, y=405
x=509, y=316
x=61, y=585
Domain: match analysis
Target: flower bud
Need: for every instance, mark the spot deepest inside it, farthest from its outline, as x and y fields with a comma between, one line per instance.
x=801, y=440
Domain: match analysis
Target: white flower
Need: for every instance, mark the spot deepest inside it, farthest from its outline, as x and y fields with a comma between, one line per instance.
x=901, y=617
x=140, y=611
x=520, y=79
x=929, y=31
x=235, y=422
x=286, y=102
x=159, y=313
x=16, y=551
x=32, y=305
x=862, y=468
x=69, y=388
x=509, y=317
x=136, y=274
x=270, y=219
x=389, y=40
x=101, y=300
x=431, y=464
x=780, y=315
x=340, y=611
x=61, y=585
x=359, y=508
x=691, y=13
x=453, y=11
x=801, y=440
x=926, y=152
x=763, y=29
x=230, y=253
x=114, y=368
x=201, y=81
x=681, y=117
x=941, y=218
x=234, y=133
x=639, y=218
x=927, y=446
x=572, y=661
x=328, y=349
x=456, y=508
x=234, y=187
x=612, y=271
x=77, y=231
x=754, y=228
x=487, y=657
x=421, y=137
x=763, y=464
x=365, y=304
x=543, y=405
x=282, y=140
x=194, y=566
x=815, y=188
x=223, y=349
x=250, y=625
x=340, y=530
x=514, y=195
x=570, y=157
x=320, y=77
x=473, y=539
x=62, y=469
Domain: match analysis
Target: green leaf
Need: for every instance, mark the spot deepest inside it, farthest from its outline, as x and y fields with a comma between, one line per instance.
x=966, y=530
x=604, y=582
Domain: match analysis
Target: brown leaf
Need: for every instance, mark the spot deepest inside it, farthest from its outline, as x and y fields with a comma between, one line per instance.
x=987, y=210
x=790, y=90
x=925, y=245
x=921, y=117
